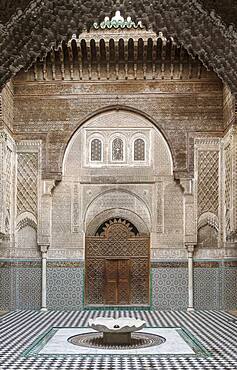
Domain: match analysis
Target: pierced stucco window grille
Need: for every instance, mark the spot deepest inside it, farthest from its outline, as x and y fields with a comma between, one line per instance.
x=117, y=150
x=96, y=150
x=139, y=150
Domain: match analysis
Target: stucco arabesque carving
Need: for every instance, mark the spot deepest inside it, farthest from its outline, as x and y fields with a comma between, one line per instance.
x=4, y=237
x=3, y=137
x=207, y=141
x=232, y=237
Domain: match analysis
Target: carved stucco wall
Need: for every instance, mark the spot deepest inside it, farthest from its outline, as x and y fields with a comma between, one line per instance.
x=28, y=158
x=208, y=195
x=7, y=165
x=54, y=111
x=229, y=147
x=145, y=194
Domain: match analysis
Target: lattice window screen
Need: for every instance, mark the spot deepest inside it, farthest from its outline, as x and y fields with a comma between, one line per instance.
x=117, y=150
x=96, y=150
x=139, y=150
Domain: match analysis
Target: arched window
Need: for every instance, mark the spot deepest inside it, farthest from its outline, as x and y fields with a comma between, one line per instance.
x=117, y=149
x=96, y=150
x=139, y=150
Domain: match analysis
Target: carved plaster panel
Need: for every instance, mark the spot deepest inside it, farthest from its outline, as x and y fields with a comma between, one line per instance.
x=173, y=209
x=159, y=209
x=167, y=253
x=208, y=181
x=228, y=192
x=72, y=253
x=7, y=163
x=76, y=208
x=28, y=167
x=118, y=198
x=128, y=127
x=126, y=214
x=27, y=182
x=27, y=197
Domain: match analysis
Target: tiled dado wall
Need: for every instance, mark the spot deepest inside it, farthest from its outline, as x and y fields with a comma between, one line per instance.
x=65, y=285
x=215, y=285
x=20, y=285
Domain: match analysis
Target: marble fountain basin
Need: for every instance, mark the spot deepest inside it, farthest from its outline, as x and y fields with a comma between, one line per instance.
x=116, y=331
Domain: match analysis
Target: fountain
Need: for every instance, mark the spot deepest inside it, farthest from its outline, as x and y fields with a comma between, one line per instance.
x=116, y=331
x=118, y=334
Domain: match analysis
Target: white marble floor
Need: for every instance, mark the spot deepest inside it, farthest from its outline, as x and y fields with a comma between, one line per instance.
x=174, y=344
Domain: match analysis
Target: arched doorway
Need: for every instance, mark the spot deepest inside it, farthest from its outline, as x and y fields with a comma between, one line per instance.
x=117, y=265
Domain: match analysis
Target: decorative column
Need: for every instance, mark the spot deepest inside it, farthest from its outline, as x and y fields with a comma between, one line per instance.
x=44, y=250
x=44, y=233
x=190, y=249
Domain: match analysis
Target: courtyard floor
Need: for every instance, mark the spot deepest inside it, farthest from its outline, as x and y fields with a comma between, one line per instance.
x=22, y=331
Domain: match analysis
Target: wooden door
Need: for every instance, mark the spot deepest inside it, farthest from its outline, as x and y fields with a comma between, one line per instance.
x=117, y=266
x=117, y=281
x=111, y=281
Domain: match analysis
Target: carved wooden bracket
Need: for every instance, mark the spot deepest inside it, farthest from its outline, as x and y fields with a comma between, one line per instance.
x=48, y=186
x=187, y=186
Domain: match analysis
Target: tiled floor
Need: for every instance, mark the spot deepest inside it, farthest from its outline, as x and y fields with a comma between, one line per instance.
x=216, y=331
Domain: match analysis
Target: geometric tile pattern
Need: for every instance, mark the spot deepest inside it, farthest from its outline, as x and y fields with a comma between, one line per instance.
x=20, y=288
x=170, y=288
x=216, y=331
x=5, y=289
x=208, y=167
x=214, y=288
x=230, y=287
x=207, y=290
x=65, y=288
x=28, y=288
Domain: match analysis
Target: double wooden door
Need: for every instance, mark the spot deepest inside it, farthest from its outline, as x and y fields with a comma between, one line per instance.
x=117, y=281
x=117, y=267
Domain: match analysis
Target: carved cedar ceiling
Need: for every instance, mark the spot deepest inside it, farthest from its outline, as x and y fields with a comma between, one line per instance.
x=44, y=24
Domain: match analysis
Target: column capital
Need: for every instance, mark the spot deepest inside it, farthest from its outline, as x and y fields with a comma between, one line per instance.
x=44, y=248
x=190, y=247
